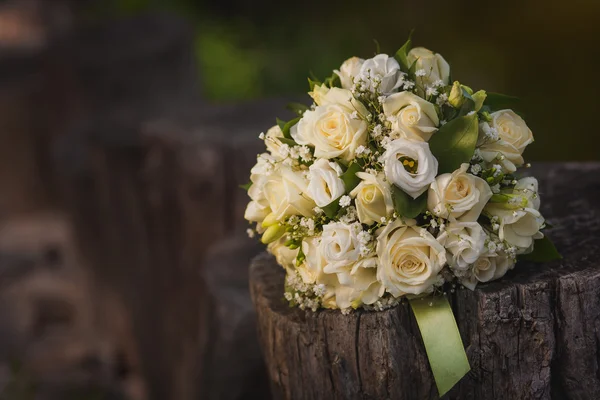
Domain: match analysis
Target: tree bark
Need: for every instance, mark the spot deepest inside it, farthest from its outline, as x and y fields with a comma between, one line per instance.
x=532, y=335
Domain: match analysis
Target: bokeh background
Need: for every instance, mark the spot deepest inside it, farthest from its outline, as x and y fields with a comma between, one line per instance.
x=544, y=51
x=126, y=127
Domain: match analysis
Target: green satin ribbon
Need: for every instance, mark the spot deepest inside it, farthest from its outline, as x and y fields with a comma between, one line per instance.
x=443, y=344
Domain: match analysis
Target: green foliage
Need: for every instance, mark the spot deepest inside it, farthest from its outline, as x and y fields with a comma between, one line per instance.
x=402, y=54
x=246, y=186
x=331, y=210
x=455, y=142
x=406, y=206
x=289, y=142
x=286, y=126
x=543, y=251
x=333, y=81
x=349, y=177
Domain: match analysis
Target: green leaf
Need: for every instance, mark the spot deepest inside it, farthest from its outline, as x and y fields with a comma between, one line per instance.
x=377, y=46
x=402, y=54
x=332, y=209
x=349, y=177
x=281, y=123
x=289, y=142
x=405, y=205
x=469, y=103
x=455, y=142
x=333, y=81
x=498, y=101
x=297, y=108
x=312, y=83
x=246, y=186
x=286, y=126
x=543, y=251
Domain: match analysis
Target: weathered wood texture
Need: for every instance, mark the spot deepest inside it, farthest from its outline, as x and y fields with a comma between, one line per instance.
x=533, y=335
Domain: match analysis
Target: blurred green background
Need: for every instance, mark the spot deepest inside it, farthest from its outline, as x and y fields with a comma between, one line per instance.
x=544, y=51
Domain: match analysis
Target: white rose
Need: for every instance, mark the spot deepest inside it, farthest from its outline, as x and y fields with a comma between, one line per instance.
x=349, y=70
x=464, y=242
x=331, y=128
x=272, y=141
x=410, y=258
x=360, y=278
x=361, y=286
x=286, y=192
x=488, y=267
x=458, y=195
x=519, y=219
x=412, y=117
x=323, y=96
x=373, y=198
x=283, y=254
x=340, y=247
x=420, y=169
x=258, y=208
x=434, y=65
x=325, y=184
x=513, y=136
x=382, y=73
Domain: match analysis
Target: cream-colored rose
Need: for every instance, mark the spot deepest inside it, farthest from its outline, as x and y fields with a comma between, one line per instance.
x=286, y=192
x=373, y=198
x=464, y=242
x=488, y=267
x=410, y=166
x=272, y=141
x=506, y=135
x=311, y=269
x=459, y=195
x=519, y=218
x=434, y=65
x=349, y=69
x=381, y=73
x=412, y=117
x=360, y=286
x=258, y=208
x=323, y=96
x=283, y=254
x=325, y=184
x=340, y=246
x=331, y=127
x=410, y=258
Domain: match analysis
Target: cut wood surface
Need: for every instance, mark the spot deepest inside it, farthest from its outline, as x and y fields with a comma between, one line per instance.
x=534, y=334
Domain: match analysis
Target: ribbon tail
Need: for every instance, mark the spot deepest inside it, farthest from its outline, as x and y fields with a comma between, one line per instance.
x=444, y=347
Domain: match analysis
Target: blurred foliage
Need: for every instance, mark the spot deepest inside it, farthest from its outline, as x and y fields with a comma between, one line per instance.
x=544, y=51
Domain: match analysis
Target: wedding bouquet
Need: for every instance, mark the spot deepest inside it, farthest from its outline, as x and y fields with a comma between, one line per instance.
x=394, y=182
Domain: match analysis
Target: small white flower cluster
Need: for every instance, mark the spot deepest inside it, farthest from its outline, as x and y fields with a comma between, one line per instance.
x=351, y=195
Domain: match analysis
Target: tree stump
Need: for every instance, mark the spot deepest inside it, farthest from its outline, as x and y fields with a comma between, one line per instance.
x=231, y=352
x=535, y=334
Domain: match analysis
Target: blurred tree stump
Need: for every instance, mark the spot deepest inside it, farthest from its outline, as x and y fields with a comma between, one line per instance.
x=532, y=335
x=32, y=101
x=51, y=342
x=149, y=195
x=231, y=352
